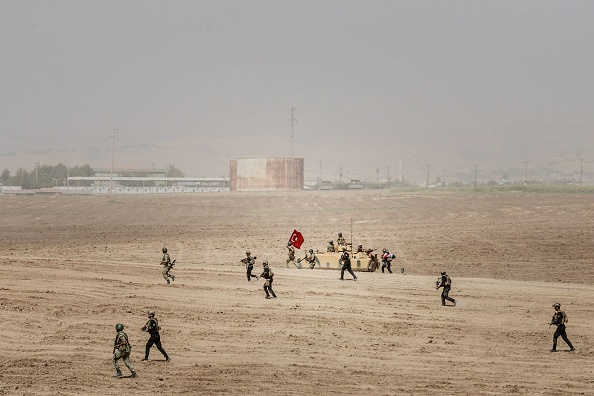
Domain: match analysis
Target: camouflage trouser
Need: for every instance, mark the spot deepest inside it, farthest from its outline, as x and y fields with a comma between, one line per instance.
x=125, y=356
x=291, y=258
x=166, y=273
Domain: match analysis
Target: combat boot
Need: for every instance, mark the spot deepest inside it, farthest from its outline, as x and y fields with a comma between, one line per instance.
x=173, y=278
x=168, y=281
x=134, y=375
x=118, y=374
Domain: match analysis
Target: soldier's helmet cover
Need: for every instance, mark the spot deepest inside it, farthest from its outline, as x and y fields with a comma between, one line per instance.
x=331, y=242
x=443, y=272
x=557, y=305
x=151, y=313
x=265, y=263
x=340, y=234
x=289, y=243
x=247, y=253
x=311, y=250
x=119, y=327
x=164, y=250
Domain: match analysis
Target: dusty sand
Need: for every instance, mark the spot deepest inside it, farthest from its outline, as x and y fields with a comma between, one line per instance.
x=76, y=266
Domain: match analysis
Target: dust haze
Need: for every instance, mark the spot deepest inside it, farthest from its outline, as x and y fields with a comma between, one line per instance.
x=196, y=84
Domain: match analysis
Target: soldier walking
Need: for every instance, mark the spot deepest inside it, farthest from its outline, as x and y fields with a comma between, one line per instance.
x=387, y=258
x=346, y=266
x=559, y=320
x=291, y=257
x=268, y=275
x=249, y=262
x=445, y=282
x=152, y=327
x=166, y=262
x=121, y=350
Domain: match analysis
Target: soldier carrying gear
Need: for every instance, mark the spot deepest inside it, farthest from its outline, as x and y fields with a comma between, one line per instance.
x=291, y=257
x=331, y=247
x=166, y=262
x=152, y=327
x=249, y=262
x=446, y=283
x=311, y=259
x=387, y=258
x=268, y=275
x=346, y=266
x=559, y=319
x=121, y=350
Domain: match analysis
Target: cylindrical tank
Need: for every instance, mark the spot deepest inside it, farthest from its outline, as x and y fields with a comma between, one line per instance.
x=266, y=174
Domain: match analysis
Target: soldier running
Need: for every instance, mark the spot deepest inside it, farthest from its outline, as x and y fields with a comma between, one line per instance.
x=166, y=262
x=346, y=266
x=152, y=327
x=559, y=320
x=387, y=258
x=291, y=257
x=445, y=282
x=267, y=274
x=121, y=350
x=249, y=262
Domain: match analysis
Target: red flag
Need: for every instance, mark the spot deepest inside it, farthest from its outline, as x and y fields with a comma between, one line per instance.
x=296, y=239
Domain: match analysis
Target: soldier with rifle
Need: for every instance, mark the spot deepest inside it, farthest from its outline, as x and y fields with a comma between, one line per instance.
x=168, y=265
x=559, y=319
x=152, y=327
x=311, y=259
x=249, y=262
x=121, y=350
x=268, y=275
x=445, y=282
x=346, y=266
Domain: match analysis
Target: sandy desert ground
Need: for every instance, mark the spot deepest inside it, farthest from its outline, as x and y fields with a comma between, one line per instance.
x=74, y=266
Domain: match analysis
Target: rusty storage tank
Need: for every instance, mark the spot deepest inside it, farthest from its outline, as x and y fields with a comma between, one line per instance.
x=266, y=174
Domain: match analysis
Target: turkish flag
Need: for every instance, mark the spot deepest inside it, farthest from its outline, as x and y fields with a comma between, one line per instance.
x=296, y=239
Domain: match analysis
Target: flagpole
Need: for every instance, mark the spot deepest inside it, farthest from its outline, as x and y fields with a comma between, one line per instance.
x=351, y=235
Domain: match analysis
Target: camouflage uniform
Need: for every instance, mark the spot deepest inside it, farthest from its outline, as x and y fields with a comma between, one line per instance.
x=340, y=240
x=311, y=260
x=291, y=254
x=268, y=275
x=331, y=247
x=122, y=350
x=249, y=262
x=166, y=261
x=559, y=319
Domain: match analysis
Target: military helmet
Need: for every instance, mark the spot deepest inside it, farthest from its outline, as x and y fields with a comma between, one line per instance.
x=384, y=250
x=265, y=263
x=311, y=250
x=557, y=305
x=340, y=234
x=443, y=272
x=331, y=242
x=164, y=250
x=289, y=243
x=345, y=254
x=361, y=246
x=247, y=253
x=151, y=313
x=119, y=327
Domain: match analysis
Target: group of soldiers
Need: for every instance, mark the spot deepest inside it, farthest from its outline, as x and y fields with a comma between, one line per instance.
x=121, y=344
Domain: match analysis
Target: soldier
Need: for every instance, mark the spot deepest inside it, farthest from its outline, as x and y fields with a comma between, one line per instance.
x=291, y=254
x=446, y=283
x=152, y=327
x=387, y=258
x=267, y=274
x=331, y=247
x=346, y=266
x=311, y=259
x=121, y=350
x=249, y=262
x=166, y=262
x=340, y=240
x=360, y=249
x=559, y=319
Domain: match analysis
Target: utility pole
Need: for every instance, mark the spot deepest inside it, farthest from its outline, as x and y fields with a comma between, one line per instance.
x=67, y=173
x=581, y=170
x=291, y=165
x=320, y=179
x=428, y=166
x=340, y=175
x=475, y=171
x=113, y=137
x=36, y=166
x=377, y=177
x=526, y=175
x=389, y=177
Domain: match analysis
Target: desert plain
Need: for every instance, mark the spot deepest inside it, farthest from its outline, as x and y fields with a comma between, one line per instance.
x=74, y=266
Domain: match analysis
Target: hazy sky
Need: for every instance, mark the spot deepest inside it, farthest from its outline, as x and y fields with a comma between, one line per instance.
x=197, y=83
